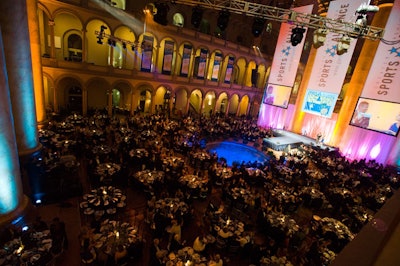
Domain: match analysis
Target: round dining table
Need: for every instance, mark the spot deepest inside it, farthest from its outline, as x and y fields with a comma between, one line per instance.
x=104, y=200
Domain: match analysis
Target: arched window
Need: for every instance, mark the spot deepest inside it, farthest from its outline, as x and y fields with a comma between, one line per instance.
x=74, y=48
x=178, y=20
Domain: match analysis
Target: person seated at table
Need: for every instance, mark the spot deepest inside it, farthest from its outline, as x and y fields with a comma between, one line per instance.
x=175, y=244
x=244, y=239
x=174, y=229
x=9, y=234
x=58, y=235
x=39, y=225
x=88, y=253
x=120, y=255
x=135, y=249
x=179, y=194
x=199, y=244
x=156, y=253
x=85, y=234
x=216, y=261
x=224, y=233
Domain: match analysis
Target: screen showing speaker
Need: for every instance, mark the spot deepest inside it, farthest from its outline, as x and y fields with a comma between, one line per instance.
x=377, y=115
x=277, y=95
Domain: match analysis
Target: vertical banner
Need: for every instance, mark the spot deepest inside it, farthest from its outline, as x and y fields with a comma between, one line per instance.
x=147, y=51
x=187, y=52
x=168, y=54
x=229, y=70
x=384, y=76
x=216, y=66
x=202, y=63
x=329, y=68
x=287, y=57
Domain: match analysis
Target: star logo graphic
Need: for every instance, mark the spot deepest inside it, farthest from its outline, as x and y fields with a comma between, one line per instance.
x=286, y=51
x=395, y=51
x=331, y=51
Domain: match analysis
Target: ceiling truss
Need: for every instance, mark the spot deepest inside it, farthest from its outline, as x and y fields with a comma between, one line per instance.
x=310, y=21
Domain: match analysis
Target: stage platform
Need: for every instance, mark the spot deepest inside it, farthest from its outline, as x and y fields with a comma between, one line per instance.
x=285, y=140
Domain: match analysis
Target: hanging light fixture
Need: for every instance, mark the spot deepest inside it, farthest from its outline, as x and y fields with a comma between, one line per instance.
x=297, y=35
x=343, y=45
x=319, y=37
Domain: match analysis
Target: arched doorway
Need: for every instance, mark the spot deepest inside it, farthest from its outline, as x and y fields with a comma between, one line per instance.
x=75, y=99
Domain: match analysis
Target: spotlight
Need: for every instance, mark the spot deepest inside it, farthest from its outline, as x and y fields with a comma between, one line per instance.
x=343, y=45
x=269, y=27
x=124, y=45
x=257, y=27
x=161, y=13
x=223, y=19
x=109, y=42
x=297, y=35
x=319, y=37
x=364, y=8
x=102, y=28
x=197, y=16
x=361, y=22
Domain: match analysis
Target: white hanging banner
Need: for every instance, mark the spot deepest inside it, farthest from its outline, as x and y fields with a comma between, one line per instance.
x=384, y=76
x=287, y=57
x=329, y=69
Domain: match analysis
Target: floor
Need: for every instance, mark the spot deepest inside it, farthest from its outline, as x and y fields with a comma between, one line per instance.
x=68, y=211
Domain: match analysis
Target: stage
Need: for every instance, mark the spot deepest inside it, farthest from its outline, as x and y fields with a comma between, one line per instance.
x=286, y=140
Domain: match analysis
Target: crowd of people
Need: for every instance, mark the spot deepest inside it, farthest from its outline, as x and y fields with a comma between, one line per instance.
x=301, y=206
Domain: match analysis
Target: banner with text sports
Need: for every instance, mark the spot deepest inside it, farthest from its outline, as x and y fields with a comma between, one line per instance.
x=384, y=76
x=329, y=69
x=287, y=57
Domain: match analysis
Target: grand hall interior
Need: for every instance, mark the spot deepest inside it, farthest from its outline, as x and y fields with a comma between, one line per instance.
x=197, y=132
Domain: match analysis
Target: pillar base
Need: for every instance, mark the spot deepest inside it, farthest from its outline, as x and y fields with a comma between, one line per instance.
x=26, y=153
x=21, y=210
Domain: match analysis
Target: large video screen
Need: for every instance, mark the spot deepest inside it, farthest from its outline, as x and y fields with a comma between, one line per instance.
x=319, y=103
x=377, y=115
x=277, y=95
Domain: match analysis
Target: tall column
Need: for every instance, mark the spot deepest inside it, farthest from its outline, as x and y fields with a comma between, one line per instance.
x=15, y=34
x=297, y=123
x=84, y=101
x=33, y=24
x=12, y=200
x=187, y=105
x=52, y=41
x=359, y=76
x=228, y=103
x=84, y=43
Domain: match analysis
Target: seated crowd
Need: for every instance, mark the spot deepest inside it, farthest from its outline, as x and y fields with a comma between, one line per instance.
x=300, y=207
